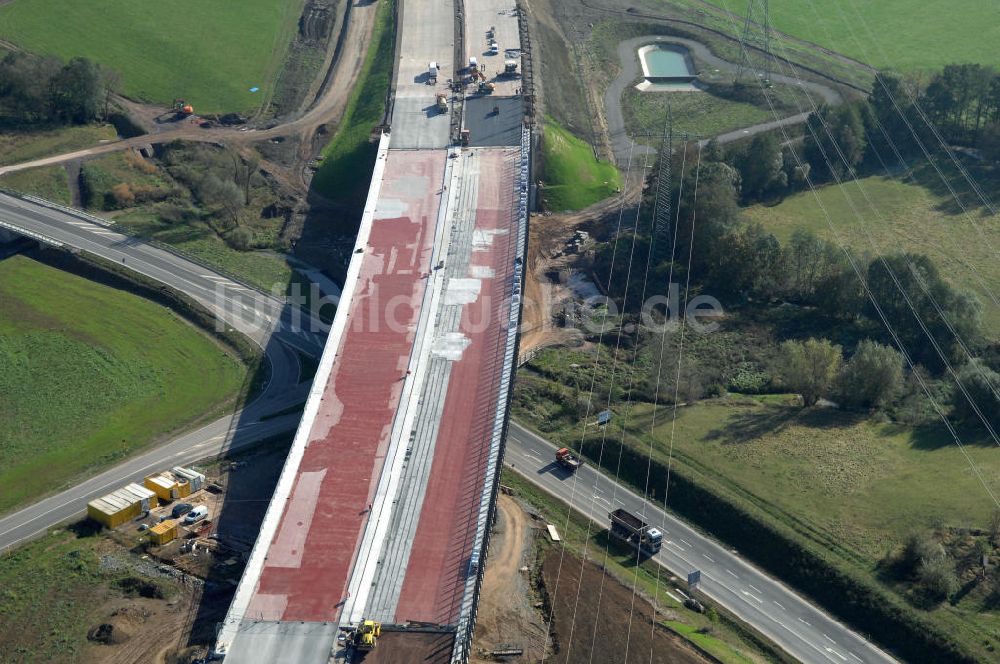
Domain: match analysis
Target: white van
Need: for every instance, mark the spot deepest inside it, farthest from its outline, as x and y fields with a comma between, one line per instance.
x=473, y=63
x=195, y=515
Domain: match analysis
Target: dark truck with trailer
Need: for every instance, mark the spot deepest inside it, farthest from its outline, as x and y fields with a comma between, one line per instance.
x=632, y=530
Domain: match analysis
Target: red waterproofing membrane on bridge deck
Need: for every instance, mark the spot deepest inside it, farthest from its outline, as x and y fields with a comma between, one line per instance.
x=309, y=560
x=439, y=560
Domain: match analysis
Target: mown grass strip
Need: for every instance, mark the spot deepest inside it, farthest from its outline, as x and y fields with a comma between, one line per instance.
x=349, y=157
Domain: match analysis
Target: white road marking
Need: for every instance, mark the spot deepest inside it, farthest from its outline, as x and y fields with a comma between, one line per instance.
x=752, y=596
x=708, y=557
x=805, y=622
x=777, y=603
x=756, y=590
x=732, y=573
x=827, y=637
x=686, y=543
x=837, y=654
x=854, y=656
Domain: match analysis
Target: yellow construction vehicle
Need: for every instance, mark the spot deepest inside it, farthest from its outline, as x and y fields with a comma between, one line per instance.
x=365, y=636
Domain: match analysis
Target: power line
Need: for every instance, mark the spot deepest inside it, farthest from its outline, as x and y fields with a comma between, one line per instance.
x=878, y=308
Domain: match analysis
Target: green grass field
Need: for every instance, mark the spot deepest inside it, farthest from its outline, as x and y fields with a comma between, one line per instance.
x=903, y=217
x=696, y=113
x=573, y=177
x=55, y=589
x=906, y=35
x=49, y=182
x=18, y=146
x=209, y=53
x=89, y=374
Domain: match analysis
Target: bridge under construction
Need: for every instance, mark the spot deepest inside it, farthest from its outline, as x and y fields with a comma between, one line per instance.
x=382, y=513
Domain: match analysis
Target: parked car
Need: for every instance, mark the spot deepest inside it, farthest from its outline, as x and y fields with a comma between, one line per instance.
x=180, y=509
x=197, y=514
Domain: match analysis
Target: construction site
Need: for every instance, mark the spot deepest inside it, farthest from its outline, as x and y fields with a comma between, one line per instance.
x=381, y=557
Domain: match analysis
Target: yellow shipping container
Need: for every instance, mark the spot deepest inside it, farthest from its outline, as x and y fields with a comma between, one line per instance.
x=196, y=479
x=119, y=506
x=163, y=532
x=163, y=485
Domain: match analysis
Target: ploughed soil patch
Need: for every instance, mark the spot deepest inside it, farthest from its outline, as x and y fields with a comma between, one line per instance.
x=607, y=624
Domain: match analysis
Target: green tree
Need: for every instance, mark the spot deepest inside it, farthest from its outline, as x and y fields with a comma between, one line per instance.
x=913, y=297
x=873, y=377
x=982, y=385
x=810, y=367
x=835, y=135
x=76, y=92
x=762, y=167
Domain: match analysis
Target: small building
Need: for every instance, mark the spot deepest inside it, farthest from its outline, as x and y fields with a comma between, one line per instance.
x=195, y=479
x=164, y=485
x=164, y=532
x=122, y=505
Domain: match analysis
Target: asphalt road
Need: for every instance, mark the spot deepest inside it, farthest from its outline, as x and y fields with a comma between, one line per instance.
x=251, y=312
x=266, y=320
x=803, y=630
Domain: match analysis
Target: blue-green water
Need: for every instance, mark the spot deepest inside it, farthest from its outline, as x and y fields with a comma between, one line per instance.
x=666, y=63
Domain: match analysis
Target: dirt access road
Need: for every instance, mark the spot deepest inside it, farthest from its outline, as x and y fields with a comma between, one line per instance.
x=506, y=613
x=548, y=235
x=328, y=108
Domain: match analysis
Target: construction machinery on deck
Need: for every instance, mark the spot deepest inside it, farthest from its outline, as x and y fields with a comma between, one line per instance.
x=365, y=635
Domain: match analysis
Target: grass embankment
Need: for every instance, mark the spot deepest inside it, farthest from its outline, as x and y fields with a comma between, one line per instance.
x=54, y=589
x=195, y=238
x=908, y=35
x=349, y=157
x=89, y=374
x=19, y=146
x=719, y=636
x=573, y=177
x=49, y=182
x=901, y=217
x=164, y=209
x=210, y=54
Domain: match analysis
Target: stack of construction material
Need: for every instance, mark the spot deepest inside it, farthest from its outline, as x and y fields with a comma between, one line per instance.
x=164, y=532
x=118, y=507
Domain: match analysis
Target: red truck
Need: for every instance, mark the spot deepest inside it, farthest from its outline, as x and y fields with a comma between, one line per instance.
x=568, y=460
